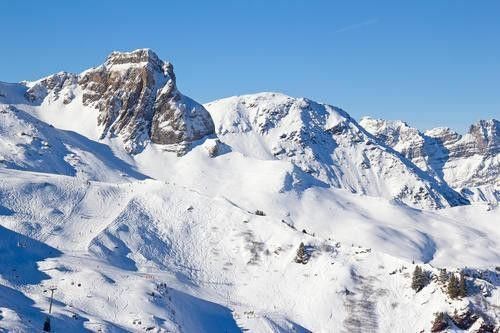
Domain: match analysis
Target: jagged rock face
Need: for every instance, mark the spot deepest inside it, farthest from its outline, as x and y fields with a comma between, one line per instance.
x=137, y=98
x=398, y=135
x=326, y=143
x=178, y=119
x=483, y=138
x=487, y=135
x=52, y=87
x=465, y=162
x=407, y=140
x=124, y=94
x=472, y=160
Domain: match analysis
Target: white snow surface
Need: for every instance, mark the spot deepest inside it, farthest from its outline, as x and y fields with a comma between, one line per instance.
x=160, y=243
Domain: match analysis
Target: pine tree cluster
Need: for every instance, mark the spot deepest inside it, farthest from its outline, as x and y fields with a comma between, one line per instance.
x=457, y=287
x=420, y=279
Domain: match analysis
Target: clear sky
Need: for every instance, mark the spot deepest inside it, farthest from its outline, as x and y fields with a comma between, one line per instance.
x=431, y=63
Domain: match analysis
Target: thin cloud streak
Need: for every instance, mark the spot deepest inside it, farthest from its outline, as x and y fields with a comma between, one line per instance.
x=357, y=26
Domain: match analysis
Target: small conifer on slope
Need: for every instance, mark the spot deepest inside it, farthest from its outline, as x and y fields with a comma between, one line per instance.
x=419, y=280
x=453, y=287
x=302, y=256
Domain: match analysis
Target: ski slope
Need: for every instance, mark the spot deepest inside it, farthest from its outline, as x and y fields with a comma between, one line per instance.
x=181, y=258
x=204, y=238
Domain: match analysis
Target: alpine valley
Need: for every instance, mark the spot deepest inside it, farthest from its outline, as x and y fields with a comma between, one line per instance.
x=143, y=210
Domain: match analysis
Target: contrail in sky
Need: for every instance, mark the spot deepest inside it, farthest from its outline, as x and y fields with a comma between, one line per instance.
x=357, y=25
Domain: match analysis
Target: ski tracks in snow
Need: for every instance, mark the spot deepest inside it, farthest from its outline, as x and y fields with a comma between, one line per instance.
x=361, y=305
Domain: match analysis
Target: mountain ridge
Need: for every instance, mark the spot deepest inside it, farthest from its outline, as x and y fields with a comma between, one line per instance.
x=469, y=163
x=281, y=215
x=325, y=142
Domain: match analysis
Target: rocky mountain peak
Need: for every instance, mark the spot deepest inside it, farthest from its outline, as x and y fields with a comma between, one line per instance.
x=487, y=135
x=145, y=58
x=327, y=147
x=138, y=100
x=396, y=134
x=462, y=161
x=134, y=57
x=52, y=85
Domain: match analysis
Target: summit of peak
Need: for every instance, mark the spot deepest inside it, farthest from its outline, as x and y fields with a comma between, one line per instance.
x=440, y=131
x=487, y=134
x=136, y=56
x=485, y=124
x=139, y=57
x=379, y=125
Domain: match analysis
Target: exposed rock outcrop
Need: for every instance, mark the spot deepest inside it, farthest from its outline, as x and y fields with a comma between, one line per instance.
x=137, y=99
x=469, y=163
x=483, y=138
x=53, y=87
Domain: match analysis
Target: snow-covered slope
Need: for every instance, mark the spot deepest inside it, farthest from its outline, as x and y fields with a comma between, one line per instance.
x=148, y=213
x=469, y=163
x=147, y=254
x=327, y=143
x=27, y=143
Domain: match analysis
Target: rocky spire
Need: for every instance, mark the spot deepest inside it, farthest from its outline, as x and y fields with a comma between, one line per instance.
x=487, y=135
x=138, y=100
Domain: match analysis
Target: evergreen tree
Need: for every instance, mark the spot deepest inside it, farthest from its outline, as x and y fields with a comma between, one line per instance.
x=414, y=281
x=443, y=275
x=453, y=287
x=462, y=287
x=419, y=280
x=46, y=324
x=440, y=322
x=260, y=212
x=302, y=256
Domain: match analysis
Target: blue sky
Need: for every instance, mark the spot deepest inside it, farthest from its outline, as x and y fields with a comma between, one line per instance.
x=431, y=63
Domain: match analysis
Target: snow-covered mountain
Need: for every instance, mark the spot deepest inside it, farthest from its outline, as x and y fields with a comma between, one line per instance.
x=326, y=143
x=150, y=212
x=469, y=163
x=137, y=99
